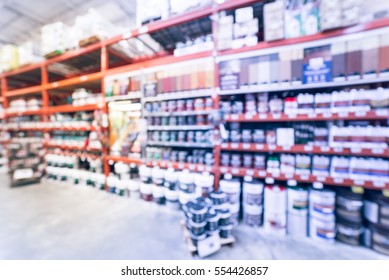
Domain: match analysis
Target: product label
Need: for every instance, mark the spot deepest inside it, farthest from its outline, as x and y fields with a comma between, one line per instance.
x=317, y=66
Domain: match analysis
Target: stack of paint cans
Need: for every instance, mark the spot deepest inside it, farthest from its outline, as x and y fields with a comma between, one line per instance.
x=349, y=219
x=171, y=189
x=231, y=187
x=297, y=211
x=252, y=201
x=187, y=188
x=322, y=214
x=147, y=183
x=376, y=212
x=204, y=184
x=275, y=209
x=157, y=175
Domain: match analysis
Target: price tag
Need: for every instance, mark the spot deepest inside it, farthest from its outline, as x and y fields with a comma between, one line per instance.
x=262, y=173
x=377, y=151
x=143, y=29
x=325, y=149
x=246, y=146
x=338, y=180
x=248, y=116
x=291, y=116
x=235, y=171
x=276, y=116
x=249, y=172
x=360, y=114
x=338, y=149
x=327, y=115
x=379, y=184
x=343, y=114
x=234, y=145
x=317, y=185
x=83, y=78
x=359, y=182
x=304, y=177
x=191, y=167
x=200, y=168
x=289, y=175
x=209, y=169
x=321, y=178
x=271, y=147
x=223, y=170
x=356, y=189
x=269, y=180
x=163, y=164
x=308, y=148
x=181, y=166
x=234, y=117
x=356, y=150
x=262, y=116
x=292, y=183
x=224, y=145
x=286, y=148
x=311, y=115
x=259, y=146
x=382, y=112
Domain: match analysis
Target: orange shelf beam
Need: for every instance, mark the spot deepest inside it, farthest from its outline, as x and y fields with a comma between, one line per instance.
x=124, y=159
x=69, y=108
x=24, y=91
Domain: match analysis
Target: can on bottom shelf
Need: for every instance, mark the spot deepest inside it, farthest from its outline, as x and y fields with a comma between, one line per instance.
x=323, y=228
x=146, y=192
x=297, y=224
x=275, y=223
x=252, y=215
x=171, y=199
x=252, y=191
x=377, y=238
x=349, y=232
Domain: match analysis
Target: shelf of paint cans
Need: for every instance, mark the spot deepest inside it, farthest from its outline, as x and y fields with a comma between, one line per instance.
x=306, y=149
x=304, y=178
x=181, y=166
x=274, y=87
x=180, y=127
x=381, y=114
x=182, y=113
x=179, y=95
x=180, y=144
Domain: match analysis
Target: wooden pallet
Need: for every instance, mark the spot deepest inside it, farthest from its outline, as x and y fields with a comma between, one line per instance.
x=193, y=249
x=88, y=41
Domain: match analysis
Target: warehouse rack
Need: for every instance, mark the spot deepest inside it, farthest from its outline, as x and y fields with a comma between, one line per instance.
x=104, y=61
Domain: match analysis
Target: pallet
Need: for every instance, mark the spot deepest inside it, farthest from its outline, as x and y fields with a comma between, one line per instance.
x=89, y=41
x=24, y=182
x=193, y=249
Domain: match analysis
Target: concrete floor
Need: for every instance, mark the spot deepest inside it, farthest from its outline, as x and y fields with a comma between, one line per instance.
x=59, y=221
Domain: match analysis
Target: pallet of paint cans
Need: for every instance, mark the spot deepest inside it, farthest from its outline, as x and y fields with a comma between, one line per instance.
x=208, y=222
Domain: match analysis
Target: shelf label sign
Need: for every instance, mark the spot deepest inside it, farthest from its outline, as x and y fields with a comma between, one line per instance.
x=317, y=67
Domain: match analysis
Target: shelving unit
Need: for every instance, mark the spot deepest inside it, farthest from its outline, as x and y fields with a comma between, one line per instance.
x=49, y=87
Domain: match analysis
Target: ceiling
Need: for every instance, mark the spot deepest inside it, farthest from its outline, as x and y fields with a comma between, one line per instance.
x=21, y=20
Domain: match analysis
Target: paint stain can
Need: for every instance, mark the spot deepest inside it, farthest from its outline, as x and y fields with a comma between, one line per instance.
x=146, y=192
x=252, y=191
x=252, y=215
x=231, y=187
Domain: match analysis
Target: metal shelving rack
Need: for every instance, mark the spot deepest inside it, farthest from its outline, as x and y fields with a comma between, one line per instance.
x=111, y=62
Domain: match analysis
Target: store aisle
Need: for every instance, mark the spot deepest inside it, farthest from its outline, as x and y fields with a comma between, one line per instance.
x=58, y=221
